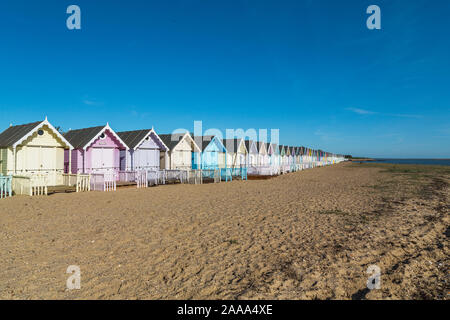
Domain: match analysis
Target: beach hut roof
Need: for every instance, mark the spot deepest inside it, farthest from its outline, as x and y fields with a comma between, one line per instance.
x=83, y=138
x=281, y=148
x=172, y=140
x=206, y=140
x=135, y=138
x=259, y=145
x=15, y=135
x=248, y=144
x=232, y=145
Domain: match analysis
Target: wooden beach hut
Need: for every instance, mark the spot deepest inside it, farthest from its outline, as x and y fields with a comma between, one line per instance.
x=236, y=153
x=236, y=157
x=284, y=159
x=214, y=153
x=274, y=158
x=263, y=158
x=252, y=157
x=214, y=157
x=96, y=152
x=144, y=150
x=182, y=154
x=33, y=154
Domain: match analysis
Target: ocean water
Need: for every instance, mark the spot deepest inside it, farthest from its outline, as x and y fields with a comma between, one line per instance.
x=442, y=162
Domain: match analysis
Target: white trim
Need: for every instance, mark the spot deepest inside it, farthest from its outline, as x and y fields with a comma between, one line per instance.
x=221, y=143
x=239, y=146
x=107, y=127
x=192, y=140
x=148, y=135
x=39, y=126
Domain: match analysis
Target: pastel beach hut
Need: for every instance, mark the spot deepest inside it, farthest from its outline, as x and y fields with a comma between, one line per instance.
x=142, y=159
x=33, y=154
x=252, y=158
x=274, y=158
x=298, y=159
x=214, y=157
x=97, y=152
x=288, y=158
x=236, y=156
x=291, y=159
x=263, y=158
x=182, y=152
x=284, y=159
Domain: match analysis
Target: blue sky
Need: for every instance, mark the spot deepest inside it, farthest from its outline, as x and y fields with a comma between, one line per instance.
x=309, y=68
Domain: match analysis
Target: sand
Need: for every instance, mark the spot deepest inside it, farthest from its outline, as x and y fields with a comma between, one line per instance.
x=304, y=235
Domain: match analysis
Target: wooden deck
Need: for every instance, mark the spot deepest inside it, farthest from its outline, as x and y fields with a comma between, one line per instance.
x=60, y=189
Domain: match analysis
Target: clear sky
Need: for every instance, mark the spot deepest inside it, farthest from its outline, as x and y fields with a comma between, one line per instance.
x=309, y=68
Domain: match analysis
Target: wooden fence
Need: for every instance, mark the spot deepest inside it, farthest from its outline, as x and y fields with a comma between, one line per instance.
x=103, y=181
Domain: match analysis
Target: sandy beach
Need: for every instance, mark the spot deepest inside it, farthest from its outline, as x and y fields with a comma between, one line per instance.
x=305, y=235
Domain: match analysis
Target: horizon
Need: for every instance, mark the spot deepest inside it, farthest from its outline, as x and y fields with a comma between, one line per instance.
x=313, y=70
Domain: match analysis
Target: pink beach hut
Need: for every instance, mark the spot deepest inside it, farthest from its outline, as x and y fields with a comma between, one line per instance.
x=96, y=152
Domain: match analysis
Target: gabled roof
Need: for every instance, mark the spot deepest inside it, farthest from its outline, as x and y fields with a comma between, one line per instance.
x=260, y=145
x=83, y=138
x=15, y=135
x=232, y=145
x=135, y=138
x=275, y=148
x=248, y=144
x=281, y=148
x=172, y=140
x=206, y=140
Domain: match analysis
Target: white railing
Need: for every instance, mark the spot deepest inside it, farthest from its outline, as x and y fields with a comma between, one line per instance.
x=127, y=176
x=195, y=177
x=176, y=175
x=103, y=181
x=211, y=174
x=83, y=183
x=142, y=179
x=153, y=177
x=38, y=185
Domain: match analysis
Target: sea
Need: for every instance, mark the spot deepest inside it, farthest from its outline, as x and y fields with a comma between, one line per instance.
x=442, y=162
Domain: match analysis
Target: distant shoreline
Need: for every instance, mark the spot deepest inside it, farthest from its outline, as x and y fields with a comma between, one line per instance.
x=362, y=159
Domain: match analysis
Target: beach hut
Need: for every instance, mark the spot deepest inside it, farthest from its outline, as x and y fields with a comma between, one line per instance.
x=274, y=158
x=144, y=150
x=182, y=154
x=252, y=158
x=97, y=152
x=33, y=154
x=297, y=158
x=302, y=157
x=263, y=158
x=287, y=159
x=141, y=162
x=284, y=159
x=214, y=156
x=236, y=156
x=236, y=153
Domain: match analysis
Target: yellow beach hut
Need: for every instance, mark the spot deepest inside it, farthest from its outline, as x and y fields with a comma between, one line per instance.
x=33, y=151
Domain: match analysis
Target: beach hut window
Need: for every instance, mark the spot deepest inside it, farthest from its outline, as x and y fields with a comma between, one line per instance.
x=40, y=132
x=102, y=136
